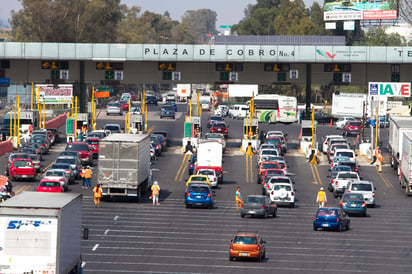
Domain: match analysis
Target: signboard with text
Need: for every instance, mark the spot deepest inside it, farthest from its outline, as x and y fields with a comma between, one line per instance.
x=52, y=95
x=360, y=10
x=389, y=89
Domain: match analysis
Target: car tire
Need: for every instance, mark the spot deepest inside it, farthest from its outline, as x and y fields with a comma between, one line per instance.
x=242, y=215
x=259, y=258
x=187, y=206
x=265, y=216
x=275, y=213
x=108, y=114
x=348, y=226
x=264, y=255
x=161, y=116
x=340, y=227
x=315, y=228
x=230, y=258
x=292, y=205
x=173, y=117
x=330, y=188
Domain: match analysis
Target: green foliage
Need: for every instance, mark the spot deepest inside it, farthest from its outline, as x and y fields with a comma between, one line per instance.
x=378, y=37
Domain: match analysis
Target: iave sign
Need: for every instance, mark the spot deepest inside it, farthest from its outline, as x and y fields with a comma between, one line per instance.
x=389, y=89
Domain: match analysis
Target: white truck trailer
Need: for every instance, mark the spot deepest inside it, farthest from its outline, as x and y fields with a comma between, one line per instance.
x=124, y=165
x=41, y=233
x=209, y=156
x=397, y=126
x=184, y=91
x=406, y=163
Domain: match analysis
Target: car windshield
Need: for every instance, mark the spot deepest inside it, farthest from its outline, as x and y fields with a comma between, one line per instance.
x=219, y=125
x=114, y=104
x=348, y=154
x=254, y=200
x=29, y=150
x=54, y=173
x=199, y=178
x=274, y=172
x=199, y=189
x=17, y=156
x=69, y=153
x=340, y=168
x=361, y=187
x=246, y=240
x=50, y=184
x=348, y=176
x=352, y=197
x=112, y=128
x=273, y=141
x=280, y=180
x=339, y=159
x=77, y=147
x=216, y=118
x=269, y=165
x=61, y=166
x=279, y=187
x=22, y=163
x=71, y=161
x=326, y=212
x=339, y=146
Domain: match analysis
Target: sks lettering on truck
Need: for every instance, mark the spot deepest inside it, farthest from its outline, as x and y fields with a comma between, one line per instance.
x=389, y=89
x=17, y=224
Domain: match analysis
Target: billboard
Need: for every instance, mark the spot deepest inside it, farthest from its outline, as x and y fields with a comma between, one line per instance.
x=348, y=104
x=360, y=10
x=242, y=90
x=62, y=94
x=389, y=89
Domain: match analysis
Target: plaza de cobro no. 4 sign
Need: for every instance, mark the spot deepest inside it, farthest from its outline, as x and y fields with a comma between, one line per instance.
x=389, y=89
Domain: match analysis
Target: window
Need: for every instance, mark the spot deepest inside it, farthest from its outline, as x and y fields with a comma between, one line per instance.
x=50, y=184
x=245, y=240
x=279, y=187
x=327, y=212
x=199, y=189
x=361, y=187
x=78, y=147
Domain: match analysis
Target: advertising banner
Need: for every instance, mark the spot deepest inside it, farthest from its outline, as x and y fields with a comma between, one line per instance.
x=51, y=95
x=389, y=89
x=360, y=10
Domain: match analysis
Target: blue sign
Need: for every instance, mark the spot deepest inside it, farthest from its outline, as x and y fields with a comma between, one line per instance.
x=373, y=89
x=5, y=81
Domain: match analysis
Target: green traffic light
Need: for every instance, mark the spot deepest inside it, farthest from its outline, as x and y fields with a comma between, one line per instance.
x=167, y=75
x=224, y=76
x=395, y=77
x=337, y=77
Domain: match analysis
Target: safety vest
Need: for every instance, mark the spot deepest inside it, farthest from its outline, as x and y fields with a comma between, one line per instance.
x=83, y=172
x=30, y=129
x=97, y=192
x=88, y=174
x=155, y=190
x=321, y=196
x=380, y=158
x=238, y=196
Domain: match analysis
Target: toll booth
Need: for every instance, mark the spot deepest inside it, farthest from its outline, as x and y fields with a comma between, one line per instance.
x=136, y=123
x=306, y=137
x=84, y=119
x=70, y=130
x=189, y=135
x=197, y=127
x=253, y=127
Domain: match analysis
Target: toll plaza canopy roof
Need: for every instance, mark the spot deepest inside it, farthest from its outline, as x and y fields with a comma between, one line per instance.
x=204, y=53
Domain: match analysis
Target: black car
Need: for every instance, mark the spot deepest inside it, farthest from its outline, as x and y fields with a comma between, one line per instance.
x=56, y=134
x=323, y=118
x=151, y=100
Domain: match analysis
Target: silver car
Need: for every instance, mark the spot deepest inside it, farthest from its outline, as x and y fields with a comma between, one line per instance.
x=114, y=108
x=366, y=188
x=59, y=175
x=74, y=163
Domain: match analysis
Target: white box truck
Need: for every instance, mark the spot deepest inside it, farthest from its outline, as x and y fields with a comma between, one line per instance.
x=209, y=156
x=348, y=104
x=397, y=126
x=41, y=233
x=406, y=163
x=184, y=91
x=124, y=165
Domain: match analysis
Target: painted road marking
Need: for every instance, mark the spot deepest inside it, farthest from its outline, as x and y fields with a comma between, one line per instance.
x=95, y=247
x=107, y=231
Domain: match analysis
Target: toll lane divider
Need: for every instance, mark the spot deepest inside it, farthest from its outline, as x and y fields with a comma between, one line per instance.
x=6, y=147
x=57, y=121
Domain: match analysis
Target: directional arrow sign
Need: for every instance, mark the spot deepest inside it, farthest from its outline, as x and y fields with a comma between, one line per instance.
x=109, y=74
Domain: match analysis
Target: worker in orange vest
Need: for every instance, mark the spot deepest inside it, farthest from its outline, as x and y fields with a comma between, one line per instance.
x=82, y=174
x=88, y=177
x=380, y=161
x=97, y=194
x=155, y=193
x=321, y=198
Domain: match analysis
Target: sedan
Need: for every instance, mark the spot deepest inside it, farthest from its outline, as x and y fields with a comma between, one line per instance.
x=49, y=185
x=114, y=108
x=258, y=205
x=198, y=194
x=353, y=203
x=331, y=218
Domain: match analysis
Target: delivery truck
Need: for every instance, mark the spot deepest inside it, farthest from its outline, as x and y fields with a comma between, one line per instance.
x=209, y=156
x=124, y=165
x=184, y=92
x=41, y=233
x=406, y=163
x=397, y=126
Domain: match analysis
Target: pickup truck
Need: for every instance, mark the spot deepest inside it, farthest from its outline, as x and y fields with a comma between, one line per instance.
x=22, y=169
x=340, y=183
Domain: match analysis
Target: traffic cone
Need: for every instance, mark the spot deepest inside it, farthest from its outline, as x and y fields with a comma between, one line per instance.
x=331, y=122
x=300, y=135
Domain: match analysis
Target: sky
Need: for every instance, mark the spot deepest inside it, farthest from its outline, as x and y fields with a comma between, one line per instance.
x=229, y=12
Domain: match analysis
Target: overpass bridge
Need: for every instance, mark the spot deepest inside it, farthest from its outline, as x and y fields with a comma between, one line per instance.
x=94, y=64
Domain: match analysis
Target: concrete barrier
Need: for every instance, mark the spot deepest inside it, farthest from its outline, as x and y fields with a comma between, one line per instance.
x=6, y=147
x=57, y=122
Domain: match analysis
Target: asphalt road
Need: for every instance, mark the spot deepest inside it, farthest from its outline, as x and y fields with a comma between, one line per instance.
x=128, y=237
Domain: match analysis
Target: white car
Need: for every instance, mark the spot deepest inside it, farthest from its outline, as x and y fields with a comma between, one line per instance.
x=363, y=187
x=346, y=153
x=211, y=174
x=222, y=110
x=342, y=180
x=267, y=152
x=342, y=121
x=326, y=141
x=266, y=187
x=276, y=133
x=59, y=175
x=282, y=194
x=267, y=146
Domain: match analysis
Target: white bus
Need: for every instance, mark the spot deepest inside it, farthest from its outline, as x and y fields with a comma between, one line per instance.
x=273, y=108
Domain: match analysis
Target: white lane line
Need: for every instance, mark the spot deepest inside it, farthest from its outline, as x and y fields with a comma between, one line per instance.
x=107, y=231
x=95, y=247
x=115, y=218
x=83, y=264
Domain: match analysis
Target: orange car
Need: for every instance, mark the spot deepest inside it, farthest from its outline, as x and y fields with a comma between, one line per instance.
x=247, y=245
x=262, y=168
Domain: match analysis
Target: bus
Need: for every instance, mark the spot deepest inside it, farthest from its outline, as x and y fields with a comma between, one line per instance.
x=273, y=108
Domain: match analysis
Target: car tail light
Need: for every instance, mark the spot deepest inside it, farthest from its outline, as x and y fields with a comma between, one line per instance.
x=209, y=195
x=188, y=194
x=76, y=168
x=118, y=106
x=43, y=145
x=342, y=204
x=226, y=130
x=258, y=247
x=336, y=182
x=314, y=218
x=273, y=192
x=157, y=147
x=268, y=186
x=363, y=205
x=241, y=206
x=262, y=207
x=292, y=193
x=356, y=169
x=337, y=219
x=373, y=194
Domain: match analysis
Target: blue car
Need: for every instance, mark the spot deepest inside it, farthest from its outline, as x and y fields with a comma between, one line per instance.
x=198, y=194
x=173, y=104
x=331, y=218
x=353, y=203
x=167, y=111
x=192, y=163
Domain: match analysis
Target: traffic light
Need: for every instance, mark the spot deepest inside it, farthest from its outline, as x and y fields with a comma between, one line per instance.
x=167, y=75
x=167, y=66
x=395, y=73
x=109, y=75
x=337, y=77
x=224, y=76
x=55, y=74
x=281, y=76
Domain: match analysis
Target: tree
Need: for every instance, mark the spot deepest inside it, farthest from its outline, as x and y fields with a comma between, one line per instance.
x=378, y=37
x=202, y=22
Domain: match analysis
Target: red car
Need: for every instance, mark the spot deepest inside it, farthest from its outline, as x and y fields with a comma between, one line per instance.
x=49, y=185
x=94, y=145
x=263, y=166
x=219, y=127
x=85, y=152
x=352, y=128
x=22, y=169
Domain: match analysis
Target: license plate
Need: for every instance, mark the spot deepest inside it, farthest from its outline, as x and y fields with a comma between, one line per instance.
x=325, y=225
x=252, y=211
x=23, y=176
x=353, y=205
x=244, y=254
x=198, y=197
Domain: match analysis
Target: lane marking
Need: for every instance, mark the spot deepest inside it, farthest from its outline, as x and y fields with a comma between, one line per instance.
x=317, y=173
x=115, y=218
x=83, y=264
x=107, y=231
x=386, y=181
x=183, y=165
x=22, y=189
x=249, y=169
x=95, y=247
x=151, y=129
x=313, y=175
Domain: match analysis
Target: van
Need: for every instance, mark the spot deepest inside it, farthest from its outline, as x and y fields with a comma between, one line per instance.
x=239, y=111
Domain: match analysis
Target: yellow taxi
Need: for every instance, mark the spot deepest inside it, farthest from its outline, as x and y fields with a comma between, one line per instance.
x=198, y=179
